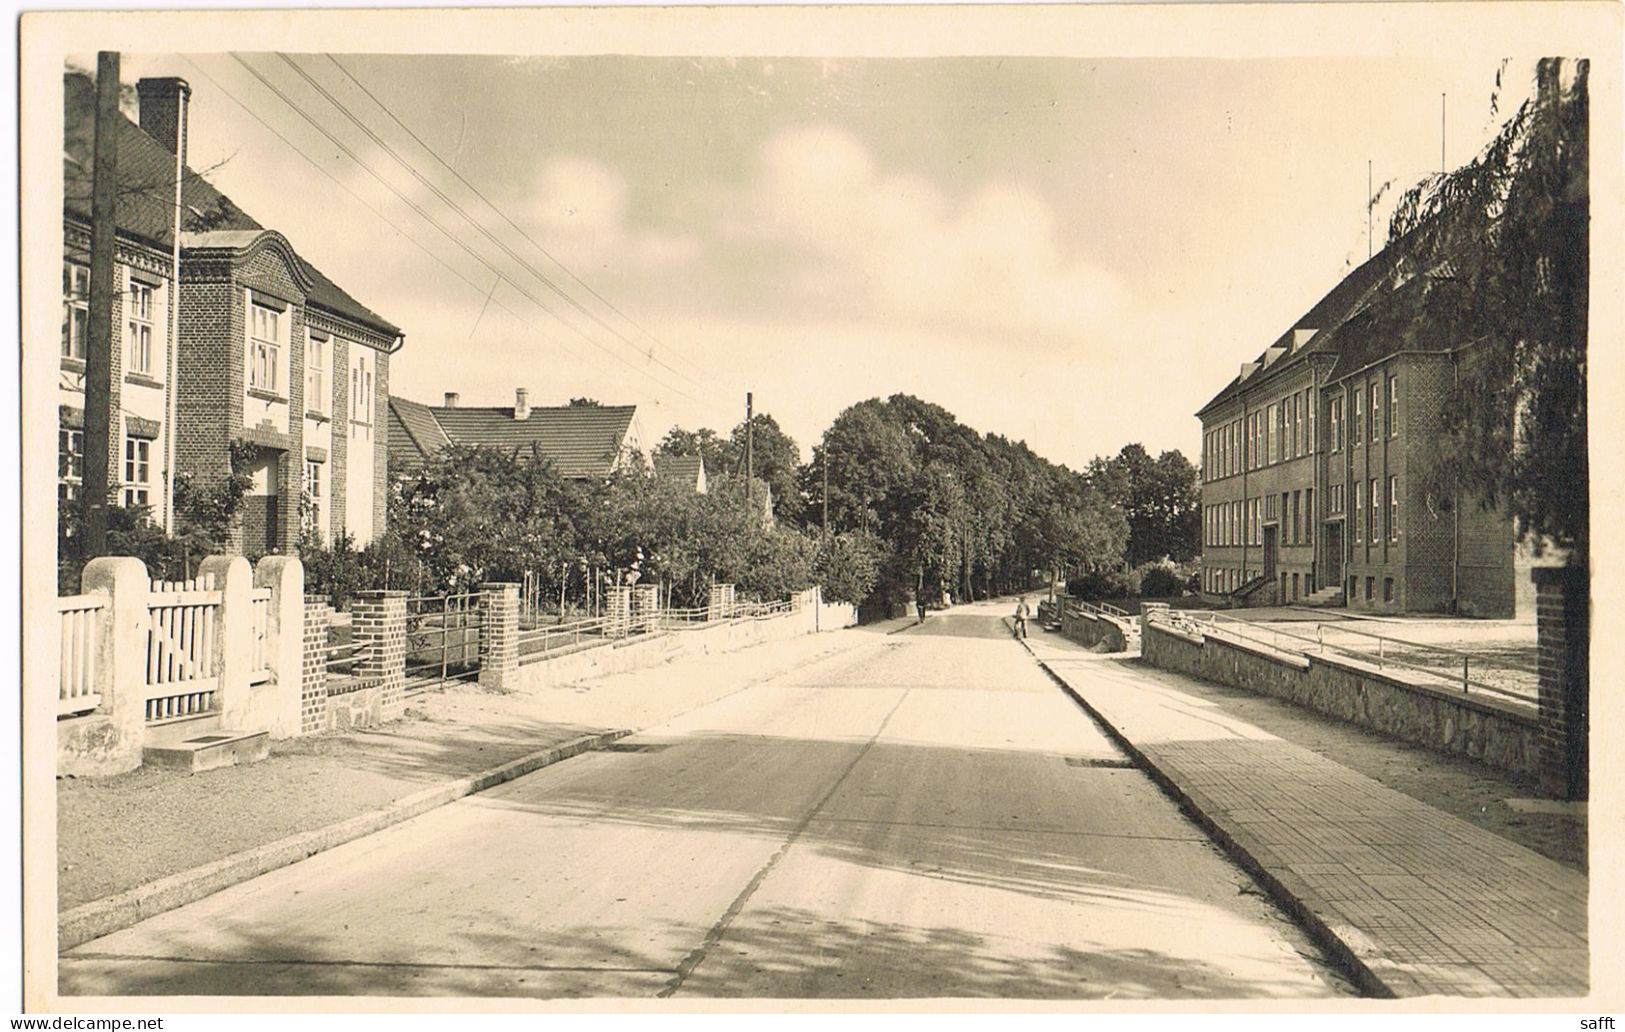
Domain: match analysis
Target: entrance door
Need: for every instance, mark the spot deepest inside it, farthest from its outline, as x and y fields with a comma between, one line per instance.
x=1334, y=553
x=1269, y=552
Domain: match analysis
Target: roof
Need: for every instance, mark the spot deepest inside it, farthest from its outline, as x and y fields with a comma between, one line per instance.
x=579, y=440
x=146, y=199
x=414, y=434
x=687, y=468
x=1342, y=303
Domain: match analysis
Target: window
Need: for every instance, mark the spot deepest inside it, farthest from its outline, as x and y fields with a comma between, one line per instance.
x=1295, y=587
x=1309, y=516
x=138, y=328
x=1370, y=588
x=1235, y=447
x=137, y=456
x=1335, y=499
x=313, y=500
x=360, y=390
x=1393, y=406
x=316, y=393
x=1359, y=511
x=1359, y=417
x=1393, y=508
x=1297, y=517
x=1387, y=589
x=1337, y=424
x=1376, y=501
x=70, y=463
x=1298, y=406
x=1376, y=411
x=1273, y=447
x=75, y=309
x=264, y=347
x=1309, y=432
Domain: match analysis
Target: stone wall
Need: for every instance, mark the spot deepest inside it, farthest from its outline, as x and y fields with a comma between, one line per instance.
x=1386, y=701
x=1086, y=629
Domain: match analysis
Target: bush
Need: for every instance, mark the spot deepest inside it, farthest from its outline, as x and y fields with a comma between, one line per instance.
x=1102, y=584
x=1159, y=581
x=848, y=567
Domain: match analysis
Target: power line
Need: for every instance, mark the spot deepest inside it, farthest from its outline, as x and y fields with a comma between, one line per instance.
x=366, y=204
x=442, y=229
x=513, y=225
x=463, y=214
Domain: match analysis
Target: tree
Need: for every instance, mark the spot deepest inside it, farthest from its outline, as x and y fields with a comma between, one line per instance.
x=716, y=452
x=776, y=459
x=1495, y=255
x=1159, y=498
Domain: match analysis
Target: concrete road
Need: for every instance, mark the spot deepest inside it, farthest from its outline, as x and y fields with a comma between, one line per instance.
x=920, y=815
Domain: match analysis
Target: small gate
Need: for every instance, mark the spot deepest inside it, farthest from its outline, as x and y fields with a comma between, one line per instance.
x=442, y=640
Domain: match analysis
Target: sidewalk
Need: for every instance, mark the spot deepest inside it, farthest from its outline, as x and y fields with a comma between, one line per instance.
x=124, y=834
x=1415, y=901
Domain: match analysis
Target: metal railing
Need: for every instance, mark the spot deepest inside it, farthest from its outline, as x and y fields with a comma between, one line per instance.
x=442, y=638
x=549, y=638
x=1097, y=609
x=1280, y=640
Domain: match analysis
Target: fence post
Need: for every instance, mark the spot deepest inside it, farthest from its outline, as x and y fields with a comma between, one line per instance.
x=379, y=619
x=285, y=576
x=1563, y=634
x=313, y=667
x=234, y=629
x=499, y=636
x=121, y=670
x=619, y=610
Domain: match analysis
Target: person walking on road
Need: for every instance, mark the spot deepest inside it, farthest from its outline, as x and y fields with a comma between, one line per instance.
x=919, y=607
x=1022, y=612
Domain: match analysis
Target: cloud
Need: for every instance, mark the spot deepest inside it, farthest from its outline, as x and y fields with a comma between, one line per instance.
x=580, y=210
x=894, y=246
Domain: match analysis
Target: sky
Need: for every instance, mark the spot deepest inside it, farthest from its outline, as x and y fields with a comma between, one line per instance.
x=1073, y=252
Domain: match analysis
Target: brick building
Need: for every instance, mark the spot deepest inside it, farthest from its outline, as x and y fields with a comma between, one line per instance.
x=271, y=355
x=1312, y=462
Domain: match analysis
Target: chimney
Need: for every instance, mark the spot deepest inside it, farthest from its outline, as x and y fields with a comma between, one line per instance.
x=163, y=112
x=521, y=403
x=451, y=399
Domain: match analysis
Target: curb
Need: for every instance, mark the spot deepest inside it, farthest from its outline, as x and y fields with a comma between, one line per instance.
x=1345, y=954
x=100, y=917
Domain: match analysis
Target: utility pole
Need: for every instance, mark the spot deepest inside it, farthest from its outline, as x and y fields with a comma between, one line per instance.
x=1369, y=203
x=750, y=436
x=99, y=345
x=1442, y=166
x=823, y=537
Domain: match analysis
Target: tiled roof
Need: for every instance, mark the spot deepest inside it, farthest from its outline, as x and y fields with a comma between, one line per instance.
x=686, y=468
x=579, y=440
x=414, y=434
x=1356, y=290
x=146, y=198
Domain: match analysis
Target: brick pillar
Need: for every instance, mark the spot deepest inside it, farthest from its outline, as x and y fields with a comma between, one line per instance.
x=499, y=636
x=378, y=618
x=646, y=607
x=619, y=610
x=313, y=666
x=233, y=638
x=121, y=666
x=285, y=576
x=1563, y=632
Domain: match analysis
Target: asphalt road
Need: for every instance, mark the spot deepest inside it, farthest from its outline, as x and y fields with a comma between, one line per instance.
x=921, y=815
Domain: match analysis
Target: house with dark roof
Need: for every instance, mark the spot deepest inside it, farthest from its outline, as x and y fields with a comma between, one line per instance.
x=688, y=470
x=581, y=441
x=257, y=349
x=1312, y=463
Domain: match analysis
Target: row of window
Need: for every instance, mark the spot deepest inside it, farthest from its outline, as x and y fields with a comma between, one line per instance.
x=136, y=487
x=140, y=316
x=1280, y=431
x=1285, y=429
x=1371, y=588
x=265, y=364
x=1367, y=518
x=1242, y=522
x=267, y=333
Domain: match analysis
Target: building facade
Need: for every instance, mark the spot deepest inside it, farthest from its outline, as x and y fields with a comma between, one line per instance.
x=265, y=364
x=1313, y=470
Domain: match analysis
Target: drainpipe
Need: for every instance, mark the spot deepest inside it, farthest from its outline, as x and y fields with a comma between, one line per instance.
x=1455, y=513
x=170, y=384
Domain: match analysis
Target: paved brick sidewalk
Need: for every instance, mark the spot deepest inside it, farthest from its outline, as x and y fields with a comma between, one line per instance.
x=1421, y=903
